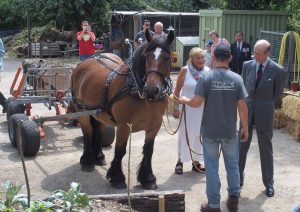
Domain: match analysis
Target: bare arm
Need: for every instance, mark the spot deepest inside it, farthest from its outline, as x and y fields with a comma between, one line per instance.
x=243, y=113
x=179, y=84
x=80, y=36
x=180, y=81
x=196, y=101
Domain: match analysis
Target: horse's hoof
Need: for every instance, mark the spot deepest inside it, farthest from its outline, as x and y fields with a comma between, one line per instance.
x=100, y=162
x=118, y=185
x=87, y=167
x=149, y=186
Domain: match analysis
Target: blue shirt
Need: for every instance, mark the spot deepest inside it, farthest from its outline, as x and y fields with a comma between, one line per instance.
x=2, y=52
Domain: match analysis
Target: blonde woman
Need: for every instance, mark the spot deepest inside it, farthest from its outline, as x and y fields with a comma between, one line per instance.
x=185, y=85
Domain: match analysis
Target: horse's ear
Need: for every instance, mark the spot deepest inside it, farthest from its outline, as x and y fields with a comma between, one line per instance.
x=171, y=36
x=148, y=35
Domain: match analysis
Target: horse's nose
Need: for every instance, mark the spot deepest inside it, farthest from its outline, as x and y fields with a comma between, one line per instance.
x=150, y=91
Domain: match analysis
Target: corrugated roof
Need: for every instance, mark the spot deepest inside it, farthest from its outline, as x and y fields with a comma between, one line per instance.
x=160, y=13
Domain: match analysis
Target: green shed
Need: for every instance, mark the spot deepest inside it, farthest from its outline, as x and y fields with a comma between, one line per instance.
x=183, y=48
x=250, y=22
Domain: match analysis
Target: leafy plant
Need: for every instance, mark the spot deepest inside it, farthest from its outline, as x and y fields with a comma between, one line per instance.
x=71, y=200
x=60, y=201
x=13, y=200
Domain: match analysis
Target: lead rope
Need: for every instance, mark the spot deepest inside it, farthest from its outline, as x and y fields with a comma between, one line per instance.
x=171, y=132
x=128, y=171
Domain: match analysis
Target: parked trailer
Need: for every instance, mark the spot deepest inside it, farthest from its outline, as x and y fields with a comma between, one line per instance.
x=50, y=86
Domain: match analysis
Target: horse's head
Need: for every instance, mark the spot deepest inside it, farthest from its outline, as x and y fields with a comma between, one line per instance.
x=155, y=62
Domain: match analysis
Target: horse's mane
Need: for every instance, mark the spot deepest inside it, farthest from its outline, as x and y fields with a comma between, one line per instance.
x=139, y=60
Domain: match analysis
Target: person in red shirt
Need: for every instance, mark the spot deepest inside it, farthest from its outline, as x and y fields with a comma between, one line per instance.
x=86, y=40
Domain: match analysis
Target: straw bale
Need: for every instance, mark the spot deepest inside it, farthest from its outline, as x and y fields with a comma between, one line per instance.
x=291, y=107
x=293, y=127
x=280, y=120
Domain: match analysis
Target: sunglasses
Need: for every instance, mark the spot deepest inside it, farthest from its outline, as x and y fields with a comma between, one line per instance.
x=147, y=24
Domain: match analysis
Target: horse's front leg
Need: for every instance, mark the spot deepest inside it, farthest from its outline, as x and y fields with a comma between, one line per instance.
x=87, y=158
x=145, y=174
x=115, y=174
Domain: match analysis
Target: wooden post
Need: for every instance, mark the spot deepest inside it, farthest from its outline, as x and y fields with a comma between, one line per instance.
x=161, y=203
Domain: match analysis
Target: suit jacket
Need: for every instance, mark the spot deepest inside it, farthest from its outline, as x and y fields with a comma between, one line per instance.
x=261, y=101
x=236, y=63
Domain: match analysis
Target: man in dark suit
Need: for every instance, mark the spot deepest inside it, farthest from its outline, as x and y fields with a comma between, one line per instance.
x=264, y=81
x=240, y=51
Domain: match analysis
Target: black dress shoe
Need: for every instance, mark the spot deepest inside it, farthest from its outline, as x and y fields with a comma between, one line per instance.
x=270, y=191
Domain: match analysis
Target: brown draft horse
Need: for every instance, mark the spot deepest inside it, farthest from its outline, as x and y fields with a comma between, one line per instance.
x=103, y=83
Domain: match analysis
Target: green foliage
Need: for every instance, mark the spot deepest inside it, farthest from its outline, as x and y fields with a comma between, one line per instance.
x=12, y=197
x=39, y=206
x=60, y=200
x=71, y=200
x=66, y=14
x=293, y=9
x=10, y=18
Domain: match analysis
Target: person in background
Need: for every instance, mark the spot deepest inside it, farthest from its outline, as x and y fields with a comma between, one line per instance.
x=207, y=54
x=158, y=28
x=185, y=85
x=264, y=81
x=224, y=94
x=86, y=40
x=214, y=36
x=140, y=36
x=2, y=97
x=240, y=51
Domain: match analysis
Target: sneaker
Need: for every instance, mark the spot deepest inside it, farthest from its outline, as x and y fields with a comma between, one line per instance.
x=206, y=208
x=233, y=203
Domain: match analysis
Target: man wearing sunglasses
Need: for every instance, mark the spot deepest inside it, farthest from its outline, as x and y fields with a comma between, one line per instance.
x=140, y=36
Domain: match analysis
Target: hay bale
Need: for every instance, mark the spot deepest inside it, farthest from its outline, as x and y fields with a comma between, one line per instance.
x=291, y=107
x=293, y=127
x=280, y=120
x=291, y=115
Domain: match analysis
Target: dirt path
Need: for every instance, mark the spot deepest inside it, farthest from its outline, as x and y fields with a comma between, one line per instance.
x=57, y=165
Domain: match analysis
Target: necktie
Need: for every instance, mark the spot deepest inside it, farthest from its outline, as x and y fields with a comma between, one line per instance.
x=258, y=75
x=238, y=50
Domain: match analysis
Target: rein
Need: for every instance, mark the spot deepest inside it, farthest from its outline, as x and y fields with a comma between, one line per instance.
x=171, y=132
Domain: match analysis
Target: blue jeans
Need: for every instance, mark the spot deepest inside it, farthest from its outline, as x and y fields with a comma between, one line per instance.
x=230, y=152
x=84, y=56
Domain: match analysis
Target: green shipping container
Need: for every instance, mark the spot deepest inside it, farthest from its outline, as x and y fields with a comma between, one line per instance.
x=183, y=48
x=250, y=22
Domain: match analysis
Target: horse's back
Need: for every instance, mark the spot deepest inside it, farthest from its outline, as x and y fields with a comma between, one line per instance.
x=89, y=78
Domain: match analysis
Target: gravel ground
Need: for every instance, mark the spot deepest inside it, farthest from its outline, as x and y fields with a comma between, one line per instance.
x=57, y=165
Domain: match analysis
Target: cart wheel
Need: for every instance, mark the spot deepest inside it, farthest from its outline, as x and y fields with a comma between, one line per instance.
x=107, y=135
x=14, y=107
x=13, y=122
x=8, y=100
x=28, y=136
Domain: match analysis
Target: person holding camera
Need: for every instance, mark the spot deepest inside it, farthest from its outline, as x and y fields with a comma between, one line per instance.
x=86, y=40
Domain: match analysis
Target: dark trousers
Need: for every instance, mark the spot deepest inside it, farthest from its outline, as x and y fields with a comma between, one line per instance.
x=266, y=154
x=2, y=99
